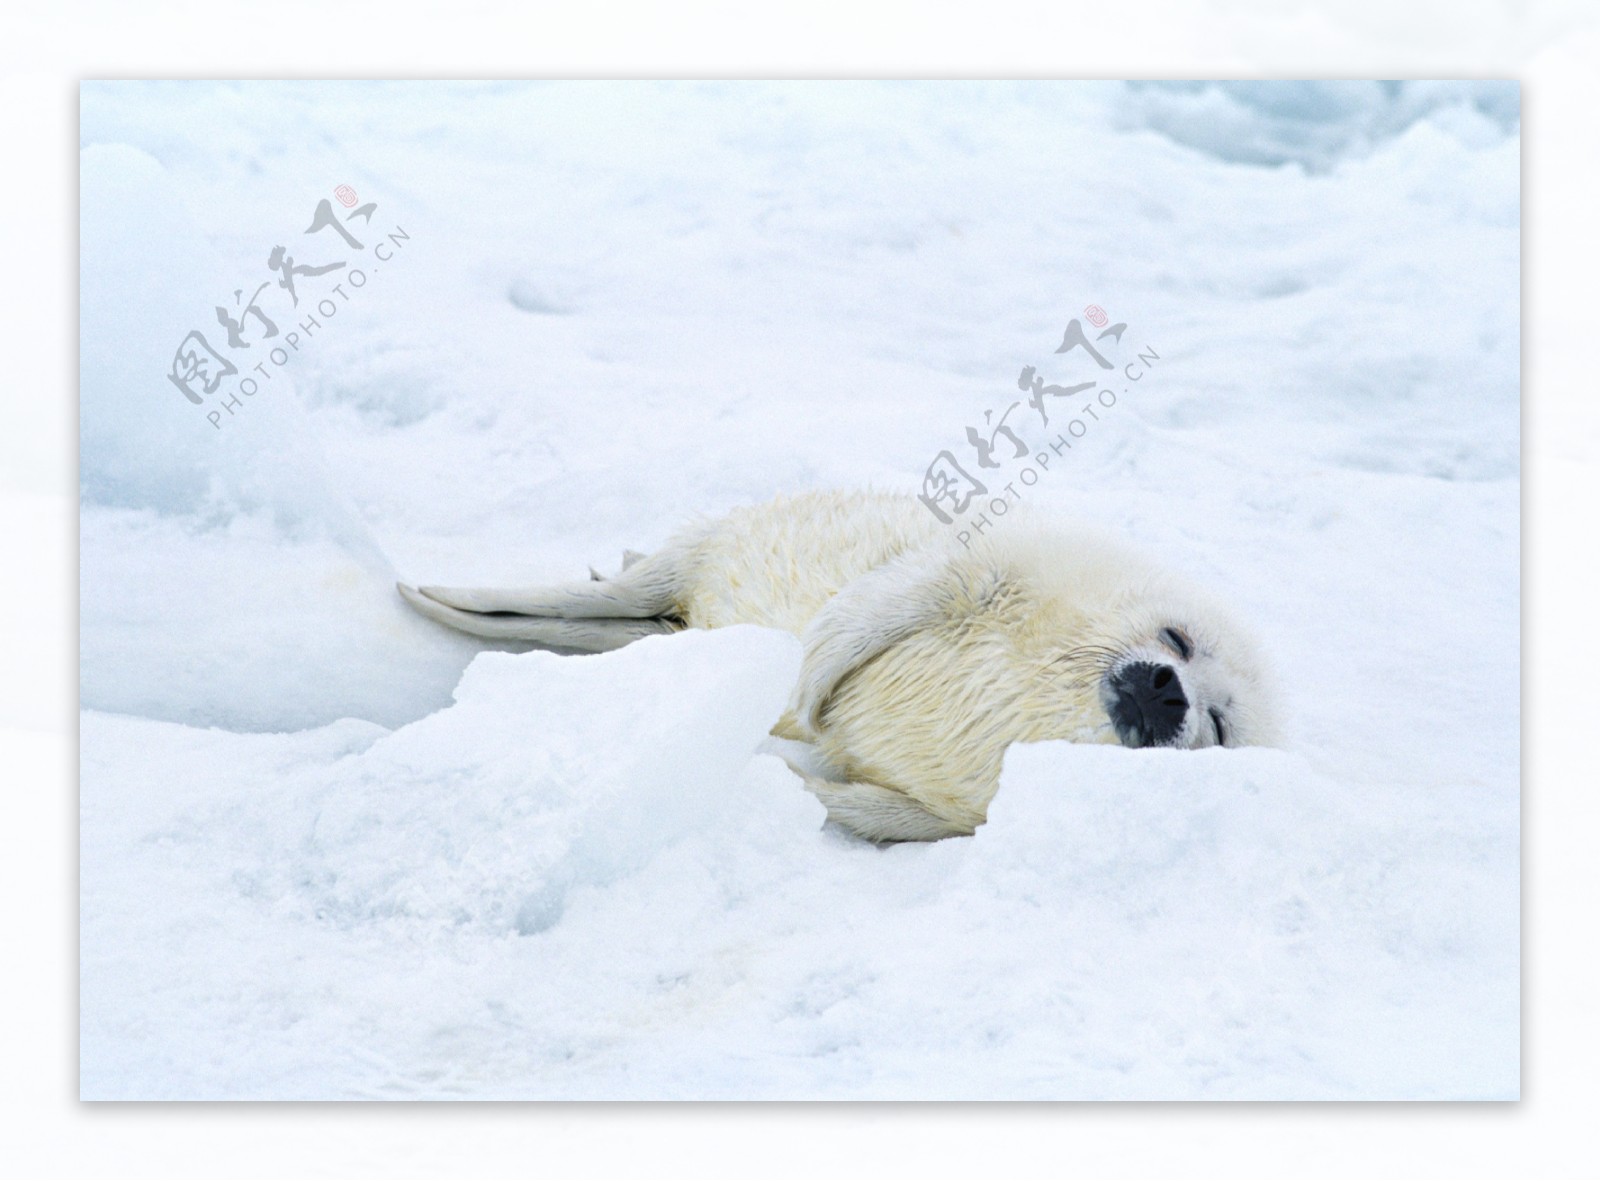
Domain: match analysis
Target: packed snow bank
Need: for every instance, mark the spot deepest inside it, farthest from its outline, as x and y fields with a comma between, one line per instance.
x=1239, y=925
x=1317, y=123
x=235, y=623
x=547, y=776
x=148, y=279
x=576, y=882
x=226, y=578
x=143, y=264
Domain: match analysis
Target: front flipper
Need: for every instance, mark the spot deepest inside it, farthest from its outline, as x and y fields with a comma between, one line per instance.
x=880, y=813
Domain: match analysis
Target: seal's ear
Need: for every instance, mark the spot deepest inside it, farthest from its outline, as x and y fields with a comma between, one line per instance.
x=872, y=614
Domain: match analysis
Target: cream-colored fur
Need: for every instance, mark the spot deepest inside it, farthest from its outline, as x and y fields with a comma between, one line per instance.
x=924, y=658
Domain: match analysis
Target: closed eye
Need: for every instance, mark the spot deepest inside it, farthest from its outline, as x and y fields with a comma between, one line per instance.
x=1222, y=732
x=1178, y=642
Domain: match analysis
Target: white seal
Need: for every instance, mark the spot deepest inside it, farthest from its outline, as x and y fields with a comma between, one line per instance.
x=925, y=657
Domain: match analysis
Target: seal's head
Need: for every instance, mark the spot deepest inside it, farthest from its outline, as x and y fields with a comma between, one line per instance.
x=1136, y=653
x=1187, y=679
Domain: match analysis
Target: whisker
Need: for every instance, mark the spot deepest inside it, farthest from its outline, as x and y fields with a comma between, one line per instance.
x=1085, y=664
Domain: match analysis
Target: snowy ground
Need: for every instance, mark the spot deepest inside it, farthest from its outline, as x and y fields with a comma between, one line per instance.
x=323, y=857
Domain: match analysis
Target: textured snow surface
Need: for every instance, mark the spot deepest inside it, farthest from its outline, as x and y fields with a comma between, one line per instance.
x=331, y=850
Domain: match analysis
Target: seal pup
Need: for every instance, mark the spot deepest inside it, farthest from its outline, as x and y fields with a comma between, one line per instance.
x=924, y=656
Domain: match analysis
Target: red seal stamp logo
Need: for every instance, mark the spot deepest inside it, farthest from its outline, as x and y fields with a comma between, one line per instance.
x=1096, y=315
x=346, y=195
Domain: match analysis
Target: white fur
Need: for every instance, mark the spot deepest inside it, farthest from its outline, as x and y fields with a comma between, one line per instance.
x=924, y=659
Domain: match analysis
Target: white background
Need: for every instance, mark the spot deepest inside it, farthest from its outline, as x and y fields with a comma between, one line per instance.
x=1552, y=48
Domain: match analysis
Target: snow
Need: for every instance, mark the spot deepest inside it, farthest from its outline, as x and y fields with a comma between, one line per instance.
x=330, y=850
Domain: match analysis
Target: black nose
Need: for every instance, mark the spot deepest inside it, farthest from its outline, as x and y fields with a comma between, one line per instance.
x=1147, y=705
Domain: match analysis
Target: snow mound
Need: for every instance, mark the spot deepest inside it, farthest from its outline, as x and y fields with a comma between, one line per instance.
x=556, y=771
x=148, y=279
x=576, y=882
x=238, y=625
x=227, y=579
x=278, y=855
x=1317, y=123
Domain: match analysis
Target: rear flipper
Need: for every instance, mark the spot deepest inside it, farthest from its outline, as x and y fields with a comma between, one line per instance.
x=593, y=616
x=595, y=634
x=647, y=588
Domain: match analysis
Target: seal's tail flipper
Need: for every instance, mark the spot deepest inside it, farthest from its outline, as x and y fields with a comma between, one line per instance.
x=592, y=616
x=583, y=634
x=646, y=590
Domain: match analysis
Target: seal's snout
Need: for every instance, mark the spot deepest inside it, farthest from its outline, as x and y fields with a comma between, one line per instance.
x=1146, y=703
